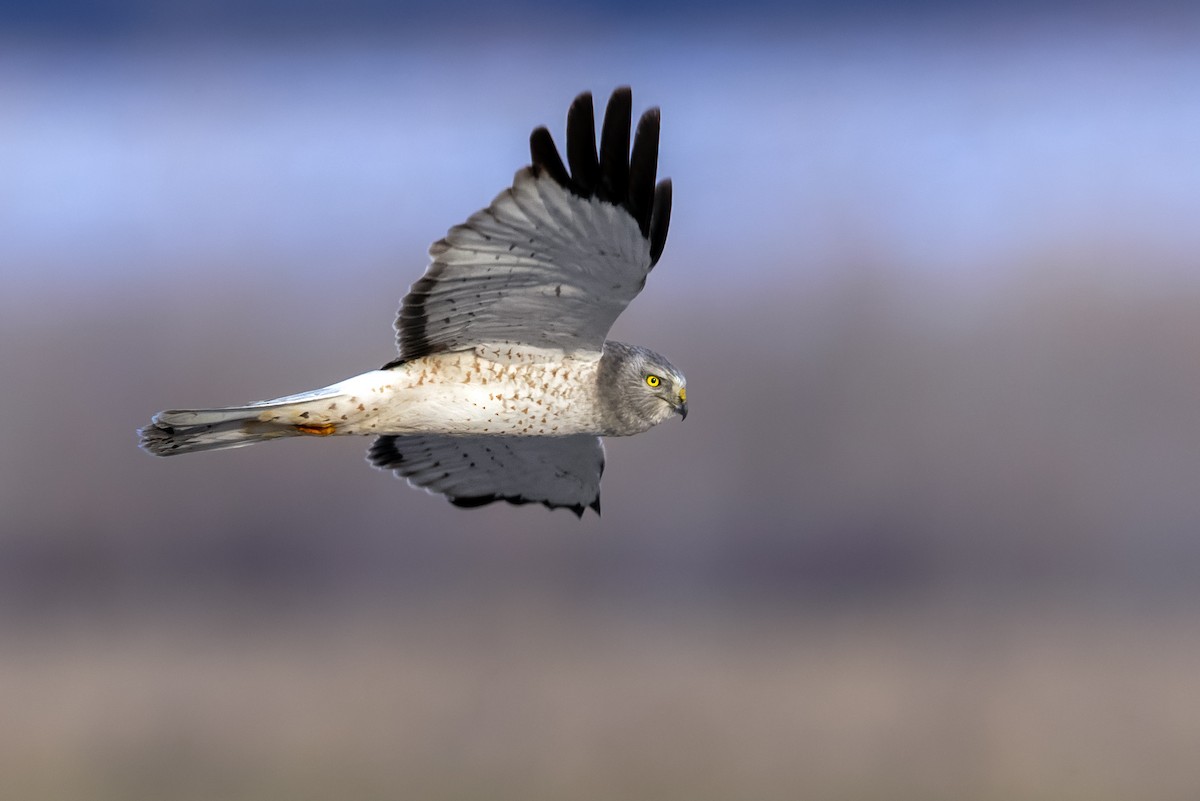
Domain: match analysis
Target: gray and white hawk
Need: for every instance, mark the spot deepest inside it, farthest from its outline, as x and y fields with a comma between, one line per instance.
x=505, y=381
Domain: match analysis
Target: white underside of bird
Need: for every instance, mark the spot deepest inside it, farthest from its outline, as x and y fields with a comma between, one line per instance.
x=491, y=390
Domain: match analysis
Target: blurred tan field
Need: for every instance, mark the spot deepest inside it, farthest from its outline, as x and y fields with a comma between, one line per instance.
x=507, y=700
x=932, y=527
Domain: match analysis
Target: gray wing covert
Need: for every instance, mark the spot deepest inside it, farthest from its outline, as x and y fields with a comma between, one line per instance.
x=473, y=471
x=558, y=256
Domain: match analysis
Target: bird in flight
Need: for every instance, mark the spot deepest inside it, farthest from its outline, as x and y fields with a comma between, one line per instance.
x=505, y=381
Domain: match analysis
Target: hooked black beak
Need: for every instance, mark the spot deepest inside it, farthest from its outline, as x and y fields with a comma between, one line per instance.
x=681, y=408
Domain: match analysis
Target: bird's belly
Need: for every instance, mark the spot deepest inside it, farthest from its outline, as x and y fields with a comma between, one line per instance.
x=464, y=394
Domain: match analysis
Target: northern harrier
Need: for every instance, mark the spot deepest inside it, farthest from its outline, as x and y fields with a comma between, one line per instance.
x=505, y=381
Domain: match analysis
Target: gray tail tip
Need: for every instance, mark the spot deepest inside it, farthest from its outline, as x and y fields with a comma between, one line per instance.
x=157, y=439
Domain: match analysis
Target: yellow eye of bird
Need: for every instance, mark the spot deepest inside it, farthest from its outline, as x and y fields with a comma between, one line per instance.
x=653, y=381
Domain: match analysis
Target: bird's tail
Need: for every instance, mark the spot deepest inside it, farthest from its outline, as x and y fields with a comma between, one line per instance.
x=194, y=430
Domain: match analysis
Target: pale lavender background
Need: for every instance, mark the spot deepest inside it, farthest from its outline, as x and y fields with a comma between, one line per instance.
x=932, y=529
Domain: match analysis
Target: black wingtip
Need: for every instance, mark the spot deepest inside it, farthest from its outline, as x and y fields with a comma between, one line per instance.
x=615, y=175
x=614, y=148
x=544, y=157
x=643, y=167
x=660, y=219
x=581, y=146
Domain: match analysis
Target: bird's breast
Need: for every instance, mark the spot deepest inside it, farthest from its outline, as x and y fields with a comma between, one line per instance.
x=492, y=390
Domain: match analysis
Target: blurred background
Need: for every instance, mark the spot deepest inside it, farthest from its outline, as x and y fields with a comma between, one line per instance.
x=932, y=528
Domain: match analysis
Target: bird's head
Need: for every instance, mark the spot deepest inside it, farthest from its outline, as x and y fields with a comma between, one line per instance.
x=641, y=388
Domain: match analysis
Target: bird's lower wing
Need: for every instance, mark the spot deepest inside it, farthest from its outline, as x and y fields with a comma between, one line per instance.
x=473, y=471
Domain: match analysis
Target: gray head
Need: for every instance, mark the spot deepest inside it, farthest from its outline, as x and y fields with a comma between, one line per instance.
x=638, y=389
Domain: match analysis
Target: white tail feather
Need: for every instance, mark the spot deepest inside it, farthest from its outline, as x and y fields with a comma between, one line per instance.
x=193, y=430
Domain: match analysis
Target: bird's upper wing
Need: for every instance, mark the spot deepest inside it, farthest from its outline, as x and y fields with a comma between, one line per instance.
x=473, y=471
x=558, y=256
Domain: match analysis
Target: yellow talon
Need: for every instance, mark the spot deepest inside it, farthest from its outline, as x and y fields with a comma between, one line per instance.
x=316, y=429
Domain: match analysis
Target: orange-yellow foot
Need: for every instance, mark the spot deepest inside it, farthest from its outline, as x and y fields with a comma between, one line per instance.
x=316, y=429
